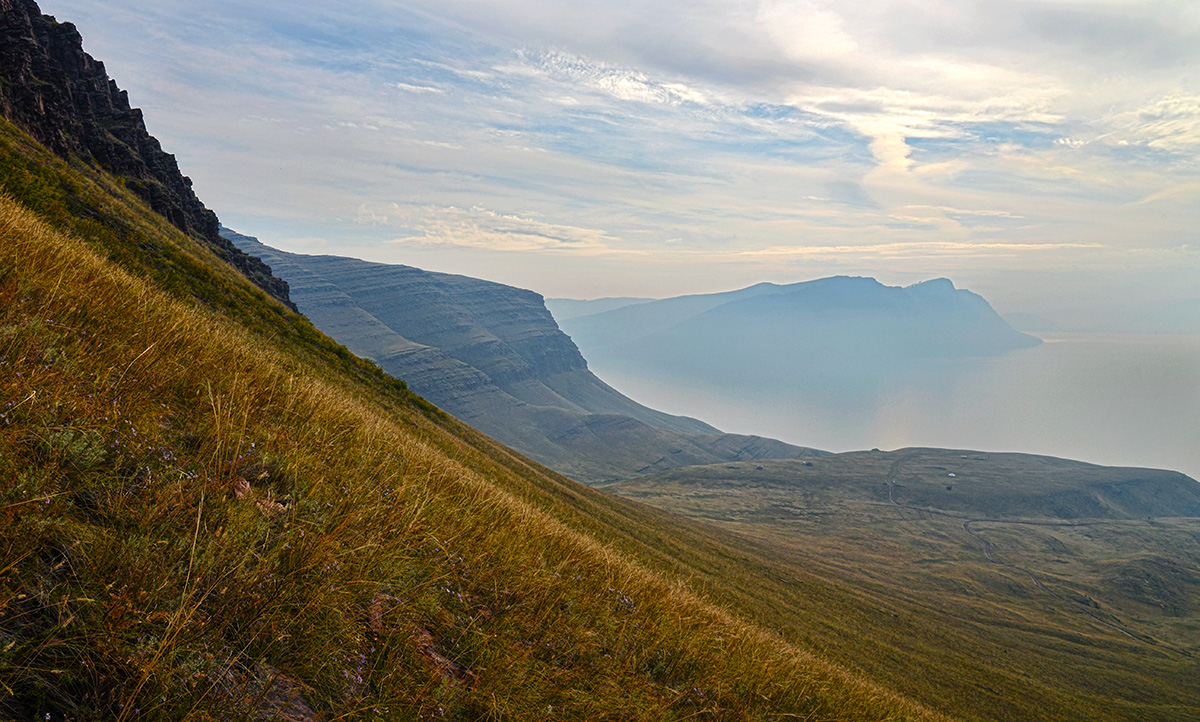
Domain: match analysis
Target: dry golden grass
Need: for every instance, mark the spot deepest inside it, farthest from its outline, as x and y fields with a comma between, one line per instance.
x=202, y=516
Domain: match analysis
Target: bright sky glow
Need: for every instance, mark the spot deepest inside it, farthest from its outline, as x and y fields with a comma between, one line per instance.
x=1045, y=154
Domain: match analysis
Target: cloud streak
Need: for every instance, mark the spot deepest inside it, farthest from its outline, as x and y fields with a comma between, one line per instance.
x=485, y=229
x=987, y=139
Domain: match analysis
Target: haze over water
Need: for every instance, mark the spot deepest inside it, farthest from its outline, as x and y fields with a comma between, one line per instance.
x=1042, y=153
x=1114, y=399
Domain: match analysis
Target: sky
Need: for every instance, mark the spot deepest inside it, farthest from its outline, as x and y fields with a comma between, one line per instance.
x=1044, y=154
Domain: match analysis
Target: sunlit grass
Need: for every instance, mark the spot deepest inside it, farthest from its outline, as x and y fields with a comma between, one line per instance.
x=208, y=510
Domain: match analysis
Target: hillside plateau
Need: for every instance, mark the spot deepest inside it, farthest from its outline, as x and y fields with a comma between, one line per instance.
x=1030, y=587
x=493, y=356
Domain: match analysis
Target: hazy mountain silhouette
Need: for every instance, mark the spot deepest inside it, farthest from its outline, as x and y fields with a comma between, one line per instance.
x=768, y=333
x=573, y=308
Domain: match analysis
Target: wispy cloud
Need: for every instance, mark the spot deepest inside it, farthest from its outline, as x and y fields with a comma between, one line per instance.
x=1170, y=122
x=615, y=81
x=920, y=249
x=419, y=88
x=987, y=139
x=486, y=229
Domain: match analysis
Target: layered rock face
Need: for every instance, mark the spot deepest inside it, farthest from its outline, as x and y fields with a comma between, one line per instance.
x=493, y=356
x=504, y=332
x=64, y=98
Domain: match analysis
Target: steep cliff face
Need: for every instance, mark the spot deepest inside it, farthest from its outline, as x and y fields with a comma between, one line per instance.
x=504, y=332
x=64, y=98
x=493, y=356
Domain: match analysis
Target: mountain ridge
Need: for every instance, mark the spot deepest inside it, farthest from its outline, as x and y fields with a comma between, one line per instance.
x=610, y=328
x=835, y=332
x=494, y=356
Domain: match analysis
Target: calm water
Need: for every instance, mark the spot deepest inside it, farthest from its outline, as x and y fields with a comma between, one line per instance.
x=1109, y=399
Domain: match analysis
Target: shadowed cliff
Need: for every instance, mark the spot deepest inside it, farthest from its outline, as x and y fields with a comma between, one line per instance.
x=493, y=356
x=63, y=97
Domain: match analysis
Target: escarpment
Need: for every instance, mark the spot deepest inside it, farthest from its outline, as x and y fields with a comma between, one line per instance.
x=493, y=356
x=63, y=97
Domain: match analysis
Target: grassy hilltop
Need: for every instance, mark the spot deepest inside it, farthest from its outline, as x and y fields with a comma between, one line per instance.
x=209, y=510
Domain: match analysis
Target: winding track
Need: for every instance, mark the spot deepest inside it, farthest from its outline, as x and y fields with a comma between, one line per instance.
x=987, y=552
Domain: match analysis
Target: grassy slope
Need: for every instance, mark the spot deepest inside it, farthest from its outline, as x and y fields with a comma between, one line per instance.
x=385, y=561
x=878, y=586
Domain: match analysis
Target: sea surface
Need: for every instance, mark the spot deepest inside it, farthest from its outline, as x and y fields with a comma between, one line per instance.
x=1113, y=399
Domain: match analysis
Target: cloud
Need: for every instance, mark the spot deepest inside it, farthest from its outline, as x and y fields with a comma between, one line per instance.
x=419, y=88
x=1170, y=123
x=618, y=82
x=1183, y=191
x=486, y=229
x=805, y=30
x=936, y=249
x=757, y=132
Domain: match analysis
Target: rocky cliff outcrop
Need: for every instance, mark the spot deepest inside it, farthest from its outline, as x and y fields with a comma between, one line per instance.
x=64, y=98
x=505, y=332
